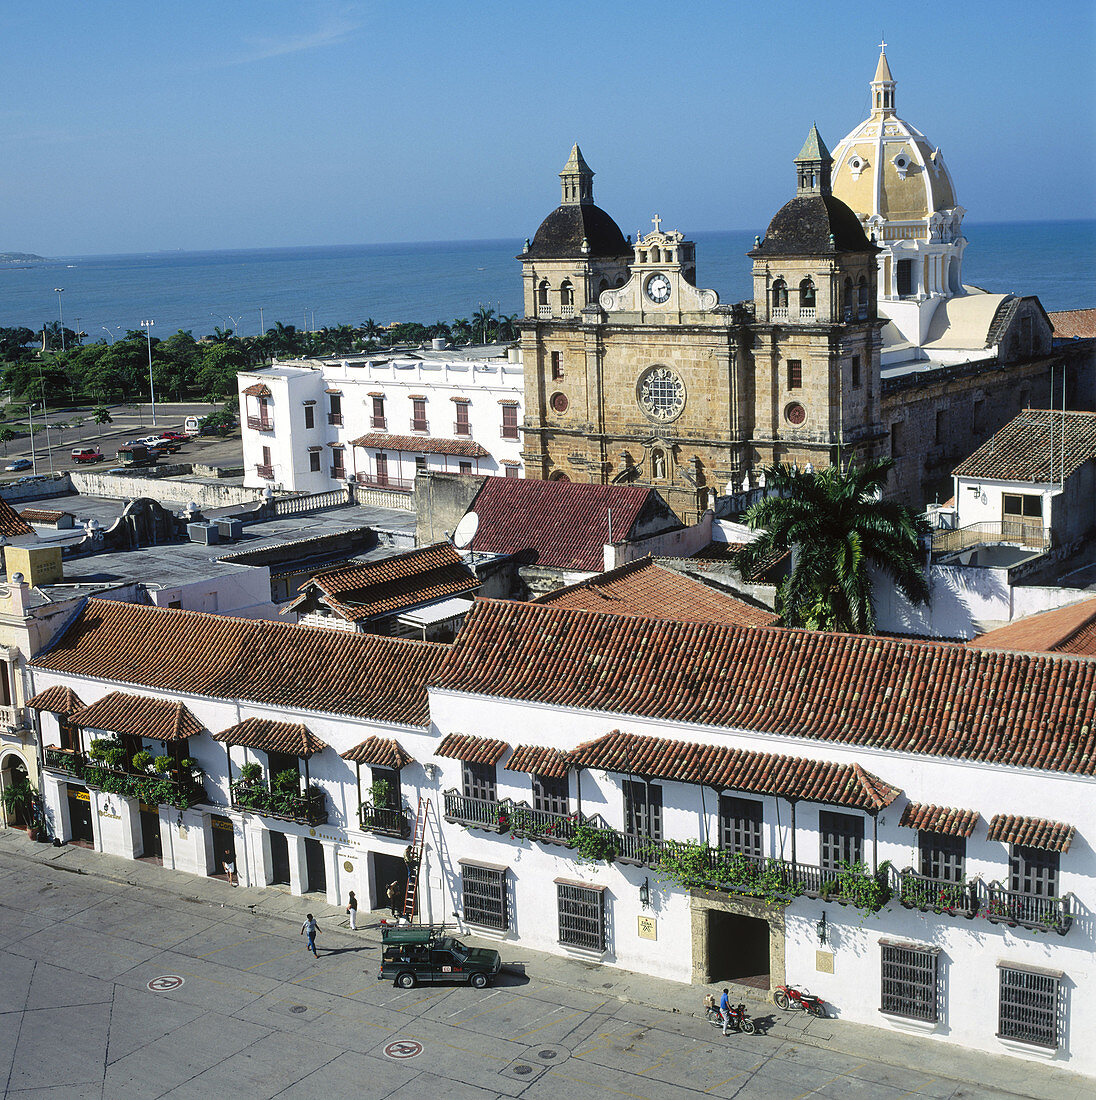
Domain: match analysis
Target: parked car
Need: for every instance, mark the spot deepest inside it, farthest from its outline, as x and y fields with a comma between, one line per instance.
x=425, y=954
x=176, y=437
x=87, y=454
x=20, y=464
x=193, y=425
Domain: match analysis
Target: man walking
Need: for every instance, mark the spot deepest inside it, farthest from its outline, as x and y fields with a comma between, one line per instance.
x=312, y=928
x=352, y=909
x=725, y=1010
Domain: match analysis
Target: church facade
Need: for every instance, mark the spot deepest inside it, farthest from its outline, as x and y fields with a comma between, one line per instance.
x=635, y=373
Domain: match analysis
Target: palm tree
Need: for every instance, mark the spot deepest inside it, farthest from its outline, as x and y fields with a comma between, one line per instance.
x=835, y=523
x=508, y=327
x=461, y=328
x=481, y=319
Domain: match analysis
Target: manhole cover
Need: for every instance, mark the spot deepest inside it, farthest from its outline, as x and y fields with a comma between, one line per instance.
x=546, y=1054
x=298, y=1008
x=523, y=1069
x=165, y=982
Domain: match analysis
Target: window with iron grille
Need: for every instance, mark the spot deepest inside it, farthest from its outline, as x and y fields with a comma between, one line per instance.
x=740, y=825
x=1028, y=1008
x=942, y=857
x=479, y=781
x=1033, y=871
x=581, y=916
x=907, y=981
x=550, y=793
x=795, y=374
x=643, y=809
x=842, y=837
x=557, y=365
x=483, y=891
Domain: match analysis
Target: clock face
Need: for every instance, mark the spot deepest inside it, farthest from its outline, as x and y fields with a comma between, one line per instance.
x=661, y=394
x=658, y=288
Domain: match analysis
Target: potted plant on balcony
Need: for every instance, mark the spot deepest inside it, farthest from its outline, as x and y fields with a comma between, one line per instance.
x=285, y=792
x=142, y=761
x=594, y=845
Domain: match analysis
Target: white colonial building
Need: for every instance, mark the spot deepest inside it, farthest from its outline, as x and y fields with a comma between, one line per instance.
x=904, y=827
x=378, y=419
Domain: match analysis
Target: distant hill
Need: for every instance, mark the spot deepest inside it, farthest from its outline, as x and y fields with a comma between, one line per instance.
x=20, y=258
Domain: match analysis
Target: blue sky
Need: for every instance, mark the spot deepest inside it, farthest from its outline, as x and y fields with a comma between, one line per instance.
x=136, y=126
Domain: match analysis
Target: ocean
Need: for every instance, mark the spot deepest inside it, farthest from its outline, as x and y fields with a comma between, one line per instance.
x=439, y=281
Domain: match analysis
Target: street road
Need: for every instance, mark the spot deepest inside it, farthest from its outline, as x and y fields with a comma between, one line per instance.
x=90, y=1004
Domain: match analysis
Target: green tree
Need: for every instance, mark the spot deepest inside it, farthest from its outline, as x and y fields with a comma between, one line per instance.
x=835, y=524
x=482, y=322
x=7, y=434
x=100, y=417
x=219, y=365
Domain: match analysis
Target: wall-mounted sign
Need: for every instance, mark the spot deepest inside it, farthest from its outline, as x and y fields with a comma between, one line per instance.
x=823, y=962
x=647, y=928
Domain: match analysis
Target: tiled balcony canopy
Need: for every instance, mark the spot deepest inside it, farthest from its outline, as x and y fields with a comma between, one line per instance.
x=56, y=700
x=540, y=761
x=261, y=733
x=139, y=716
x=260, y=389
x=939, y=819
x=1031, y=832
x=790, y=777
x=417, y=444
x=473, y=750
x=381, y=752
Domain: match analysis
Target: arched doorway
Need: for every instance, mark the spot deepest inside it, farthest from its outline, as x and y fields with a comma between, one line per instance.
x=13, y=772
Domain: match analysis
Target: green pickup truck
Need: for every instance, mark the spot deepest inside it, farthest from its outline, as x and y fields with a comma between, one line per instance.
x=426, y=954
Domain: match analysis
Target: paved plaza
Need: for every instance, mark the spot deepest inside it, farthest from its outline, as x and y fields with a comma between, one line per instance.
x=125, y=980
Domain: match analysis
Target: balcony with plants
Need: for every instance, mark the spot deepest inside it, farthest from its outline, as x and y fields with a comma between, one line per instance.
x=282, y=798
x=932, y=895
x=380, y=816
x=109, y=766
x=1036, y=912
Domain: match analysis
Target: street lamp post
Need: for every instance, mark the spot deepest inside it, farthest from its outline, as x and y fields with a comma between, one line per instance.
x=147, y=326
x=59, y=290
x=108, y=332
x=30, y=425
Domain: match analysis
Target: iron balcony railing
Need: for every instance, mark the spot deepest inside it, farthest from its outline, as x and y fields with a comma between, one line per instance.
x=384, y=820
x=1034, y=536
x=383, y=481
x=916, y=891
x=305, y=809
x=1027, y=910
x=64, y=760
x=265, y=471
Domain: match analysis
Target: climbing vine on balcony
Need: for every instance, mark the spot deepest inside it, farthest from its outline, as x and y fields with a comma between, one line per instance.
x=593, y=845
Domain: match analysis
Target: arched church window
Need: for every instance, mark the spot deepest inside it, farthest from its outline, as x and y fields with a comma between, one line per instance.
x=806, y=293
x=542, y=293
x=567, y=294
x=862, y=297
x=620, y=281
x=603, y=285
x=656, y=255
x=780, y=294
x=847, y=302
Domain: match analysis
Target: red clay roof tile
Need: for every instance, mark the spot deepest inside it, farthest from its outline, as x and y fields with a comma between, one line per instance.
x=725, y=768
x=1071, y=323
x=259, y=389
x=562, y=524
x=187, y=652
x=381, y=752
x=138, y=716
x=56, y=700
x=1070, y=629
x=539, y=760
x=941, y=699
x=939, y=819
x=1031, y=832
x=645, y=589
x=422, y=445
x=1030, y=448
x=474, y=750
x=12, y=525
x=270, y=736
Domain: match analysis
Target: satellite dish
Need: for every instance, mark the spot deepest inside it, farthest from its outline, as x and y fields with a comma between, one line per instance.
x=466, y=530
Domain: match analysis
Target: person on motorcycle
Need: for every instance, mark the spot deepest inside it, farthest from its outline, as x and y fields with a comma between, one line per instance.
x=725, y=1010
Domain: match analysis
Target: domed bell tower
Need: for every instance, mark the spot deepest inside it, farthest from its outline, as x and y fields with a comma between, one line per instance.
x=816, y=351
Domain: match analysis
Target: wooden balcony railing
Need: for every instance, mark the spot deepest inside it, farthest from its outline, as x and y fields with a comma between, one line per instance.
x=265, y=471
x=64, y=760
x=151, y=787
x=916, y=891
x=462, y=427
x=384, y=820
x=305, y=809
x=260, y=423
x=1027, y=910
x=385, y=482
x=334, y=418
x=420, y=425
x=378, y=421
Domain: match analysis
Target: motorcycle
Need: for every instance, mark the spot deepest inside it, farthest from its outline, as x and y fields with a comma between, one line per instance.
x=789, y=996
x=739, y=1020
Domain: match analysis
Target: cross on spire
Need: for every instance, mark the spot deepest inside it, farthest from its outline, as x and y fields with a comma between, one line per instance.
x=882, y=44
x=656, y=221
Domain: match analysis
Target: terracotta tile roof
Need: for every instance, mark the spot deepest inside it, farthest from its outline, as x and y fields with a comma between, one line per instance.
x=538, y=760
x=736, y=769
x=11, y=523
x=1070, y=629
x=262, y=733
x=643, y=588
x=260, y=389
x=1031, y=832
x=939, y=819
x=120, y=712
x=56, y=700
x=475, y=750
x=361, y=590
x=941, y=698
x=422, y=445
x=1070, y=323
x=41, y=515
x=187, y=652
x=383, y=752
x=1029, y=448
x=563, y=524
